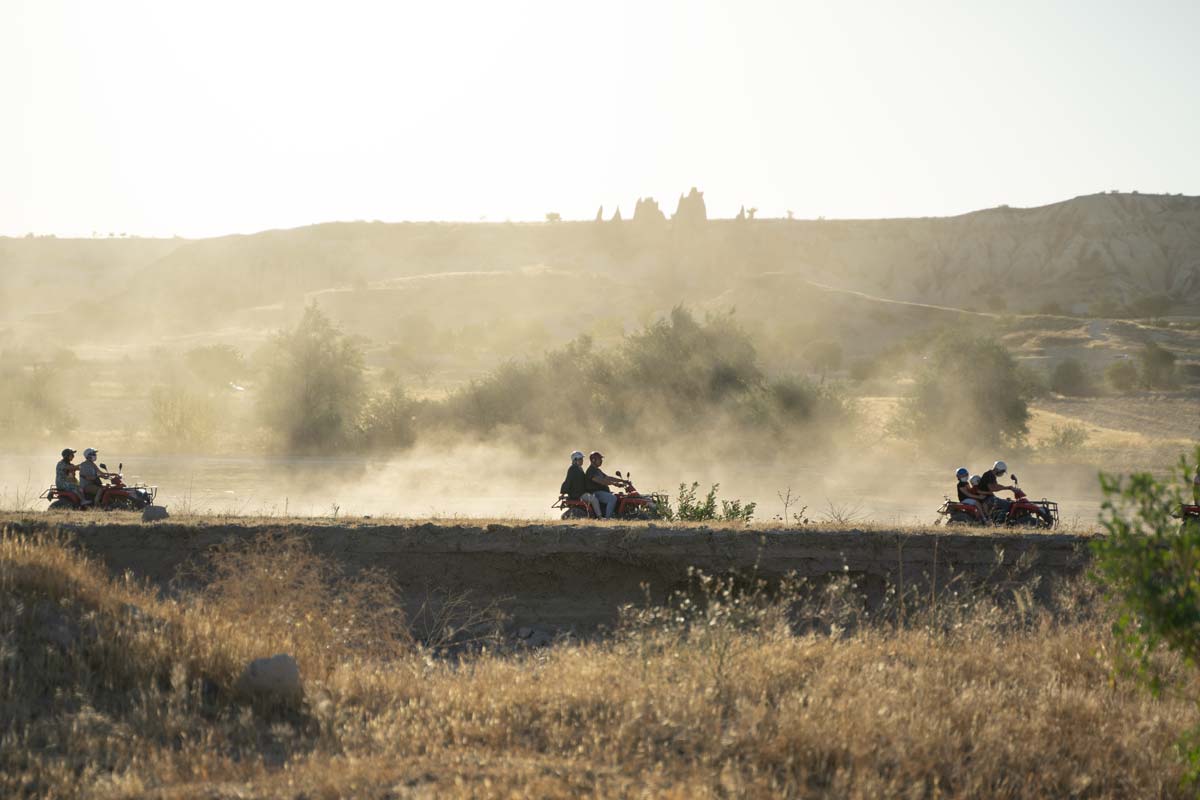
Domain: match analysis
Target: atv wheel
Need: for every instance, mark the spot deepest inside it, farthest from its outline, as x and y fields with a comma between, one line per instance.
x=574, y=513
x=61, y=505
x=123, y=504
x=961, y=518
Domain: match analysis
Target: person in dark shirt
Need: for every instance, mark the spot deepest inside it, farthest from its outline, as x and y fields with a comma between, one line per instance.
x=989, y=484
x=600, y=483
x=577, y=485
x=967, y=493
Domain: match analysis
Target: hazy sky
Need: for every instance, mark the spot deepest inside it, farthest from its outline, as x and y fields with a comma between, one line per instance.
x=202, y=118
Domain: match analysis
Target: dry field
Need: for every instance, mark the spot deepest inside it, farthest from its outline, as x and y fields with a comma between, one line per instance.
x=108, y=689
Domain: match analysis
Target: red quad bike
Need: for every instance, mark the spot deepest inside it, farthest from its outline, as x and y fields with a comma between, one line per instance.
x=1023, y=511
x=115, y=496
x=631, y=504
x=1189, y=514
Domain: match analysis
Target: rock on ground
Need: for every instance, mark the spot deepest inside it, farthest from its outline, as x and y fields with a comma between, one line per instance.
x=278, y=676
x=154, y=513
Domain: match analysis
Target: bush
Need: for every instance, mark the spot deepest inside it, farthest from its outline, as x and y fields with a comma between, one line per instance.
x=1121, y=376
x=389, y=420
x=312, y=393
x=1148, y=563
x=182, y=418
x=1070, y=378
x=33, y=399
x=1149, y=306
x=675, y=377
x=1157, y=366
x=1064, y=439
x=973, y=386
x=690, y=509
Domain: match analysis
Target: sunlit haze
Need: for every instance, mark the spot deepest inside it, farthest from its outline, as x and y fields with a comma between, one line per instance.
x=200, y=119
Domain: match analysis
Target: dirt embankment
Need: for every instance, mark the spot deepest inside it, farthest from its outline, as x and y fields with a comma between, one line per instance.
x=577, y=576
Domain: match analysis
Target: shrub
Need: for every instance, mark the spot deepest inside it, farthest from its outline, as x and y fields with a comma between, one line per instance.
x=389, y=420
x=312, y=393
x=969, y=385
x=1148, y=563
x=1121, y=376
x=33, y=399
x=689, y=508
x=1149, y=306
x=674, y=377
x=182, y=418
x=1064, y=439
x=1157, y=366
x=1070, y=378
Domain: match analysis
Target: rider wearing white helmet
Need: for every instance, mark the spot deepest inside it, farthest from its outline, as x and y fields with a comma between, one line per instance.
x=989, y=483
x=90, y=475
x=967, y=493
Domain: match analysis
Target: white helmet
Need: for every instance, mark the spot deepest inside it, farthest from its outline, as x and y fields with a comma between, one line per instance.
x=999, y=466
x=961, y=473
x=576, y=456
x=975, y=479
x=91, y=451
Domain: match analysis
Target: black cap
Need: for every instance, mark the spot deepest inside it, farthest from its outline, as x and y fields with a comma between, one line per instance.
x=68, y=452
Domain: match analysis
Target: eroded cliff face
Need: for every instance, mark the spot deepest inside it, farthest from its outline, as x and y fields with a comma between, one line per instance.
x=576, y=577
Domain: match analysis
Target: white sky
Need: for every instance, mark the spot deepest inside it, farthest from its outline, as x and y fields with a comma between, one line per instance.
x=203, y=118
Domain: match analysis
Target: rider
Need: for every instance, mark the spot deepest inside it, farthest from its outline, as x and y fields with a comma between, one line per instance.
x=576, y=485
x=989, y=484
x=967, y=493
x=599, y=483
x=64, y=474
x=90, y=475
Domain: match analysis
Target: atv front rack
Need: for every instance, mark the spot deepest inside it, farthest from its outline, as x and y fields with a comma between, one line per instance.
x=1051, y=509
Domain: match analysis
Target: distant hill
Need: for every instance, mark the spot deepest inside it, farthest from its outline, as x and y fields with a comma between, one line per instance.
x=1107, y=253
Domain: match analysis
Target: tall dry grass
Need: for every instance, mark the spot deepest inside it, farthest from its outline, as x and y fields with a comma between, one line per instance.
x=107, y=690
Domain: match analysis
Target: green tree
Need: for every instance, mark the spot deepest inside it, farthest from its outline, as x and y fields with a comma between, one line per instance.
x=968, y=385
x=312, y=392
x=1121, y=376
x=1157, y=366
x=1070, y=378
x=1150, y=565
x=389, y=420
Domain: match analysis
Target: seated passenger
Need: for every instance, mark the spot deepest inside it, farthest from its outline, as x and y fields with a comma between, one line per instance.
x=64, y=474
x=967, y=494
x=576, y=485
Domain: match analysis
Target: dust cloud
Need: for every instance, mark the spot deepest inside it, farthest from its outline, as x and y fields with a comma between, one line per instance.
x=421, y=370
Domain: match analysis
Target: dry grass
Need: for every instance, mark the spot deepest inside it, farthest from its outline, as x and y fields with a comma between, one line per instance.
x=109, y=691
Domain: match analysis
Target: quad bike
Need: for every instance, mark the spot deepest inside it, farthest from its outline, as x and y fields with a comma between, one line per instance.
x=1189, y=514
x=115, y=496
x=1023, y=511
x=631, y=504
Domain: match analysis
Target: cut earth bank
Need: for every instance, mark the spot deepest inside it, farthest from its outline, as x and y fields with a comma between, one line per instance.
x=575, y=577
